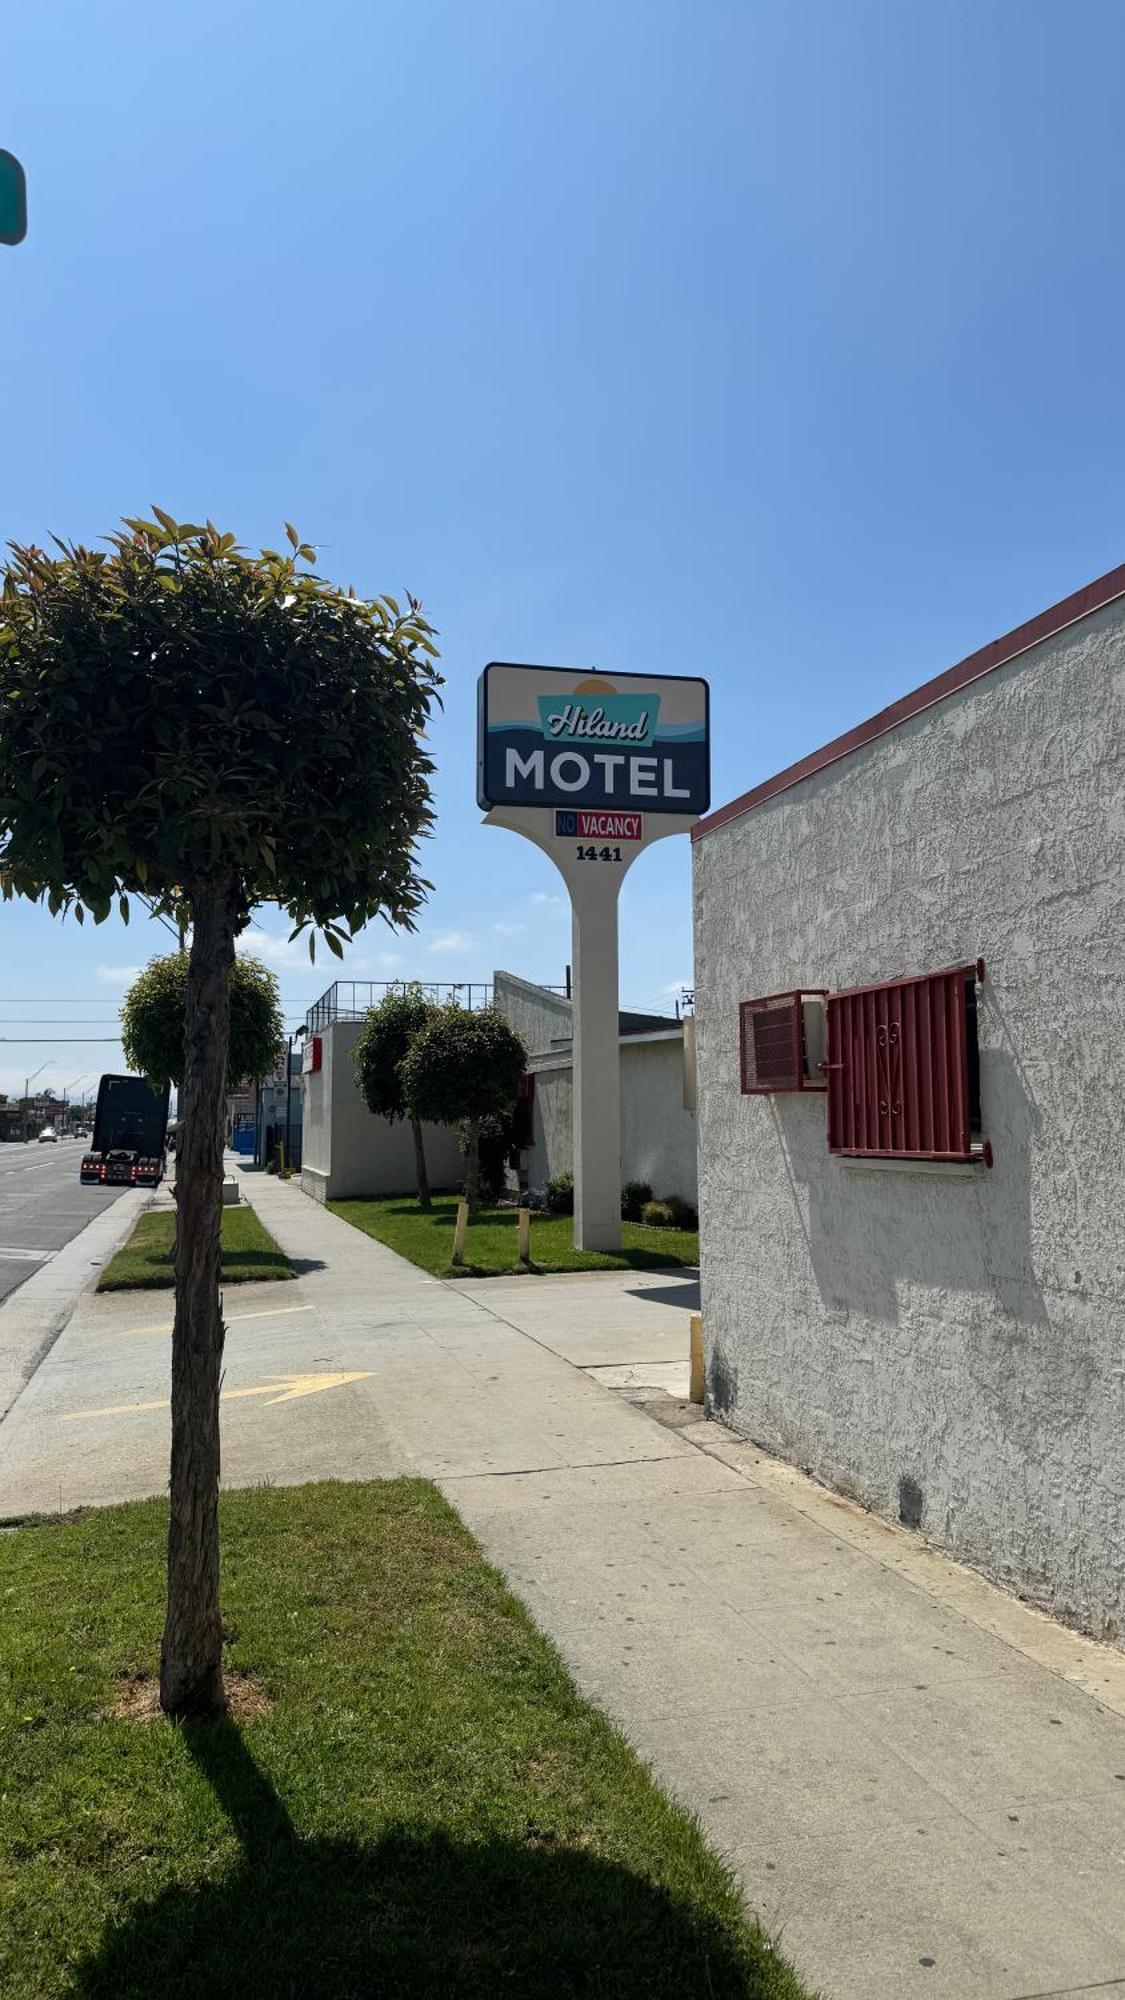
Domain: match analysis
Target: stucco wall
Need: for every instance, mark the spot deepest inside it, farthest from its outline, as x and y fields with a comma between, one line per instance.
x=345, y=1151
x=964, y=1332
x=552, y=1122
x=657, y=1134
x=540, y=1017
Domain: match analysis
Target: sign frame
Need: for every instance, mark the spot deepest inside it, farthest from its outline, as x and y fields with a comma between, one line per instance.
x=13, y=183
x=653, y=752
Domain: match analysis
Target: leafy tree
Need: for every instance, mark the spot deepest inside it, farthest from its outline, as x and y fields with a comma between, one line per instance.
x=386, y=1035
x=154, y=1016
x=248, y=733
x=464, y=1068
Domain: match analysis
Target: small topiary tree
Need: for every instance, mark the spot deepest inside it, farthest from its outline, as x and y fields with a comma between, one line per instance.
x=154, y=1020
x=558, y=1194
x=634, y=1195
x=465, y=1067
x=211, y=728
x=382, y=1045
x=154, y=1026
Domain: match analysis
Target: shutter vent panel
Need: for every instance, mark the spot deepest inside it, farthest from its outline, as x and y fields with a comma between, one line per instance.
x=774, y=1052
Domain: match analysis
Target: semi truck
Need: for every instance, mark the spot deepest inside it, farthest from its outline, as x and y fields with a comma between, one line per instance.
x=130, y=1131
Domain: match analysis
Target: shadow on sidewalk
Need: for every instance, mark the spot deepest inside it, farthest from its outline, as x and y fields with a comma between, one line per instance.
x=415, y=1914
x=683, y=1292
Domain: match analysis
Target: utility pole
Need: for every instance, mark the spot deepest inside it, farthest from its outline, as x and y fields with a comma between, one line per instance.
x=66, y=1093
x=27, y=1083
x=296, y=1037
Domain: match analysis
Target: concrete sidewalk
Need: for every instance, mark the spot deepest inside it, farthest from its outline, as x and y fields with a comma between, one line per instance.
x=921, y=1781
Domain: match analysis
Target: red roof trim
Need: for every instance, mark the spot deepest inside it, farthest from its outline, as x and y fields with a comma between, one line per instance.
x=1104, y=590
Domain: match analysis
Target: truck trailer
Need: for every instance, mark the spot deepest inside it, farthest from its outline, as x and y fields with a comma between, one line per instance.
x=130, y=1128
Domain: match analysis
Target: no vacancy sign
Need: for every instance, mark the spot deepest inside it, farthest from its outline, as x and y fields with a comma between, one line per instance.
x=592, y=742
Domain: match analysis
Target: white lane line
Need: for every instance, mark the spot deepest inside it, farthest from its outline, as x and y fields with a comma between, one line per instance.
x=26, y=1256
x=229, y=1319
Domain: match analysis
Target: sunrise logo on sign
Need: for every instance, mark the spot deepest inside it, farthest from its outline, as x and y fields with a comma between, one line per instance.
x=552, y=737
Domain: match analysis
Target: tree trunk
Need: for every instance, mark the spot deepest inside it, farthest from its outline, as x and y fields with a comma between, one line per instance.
x=420, y=1164
x=472, y=1164
x=191, y=1671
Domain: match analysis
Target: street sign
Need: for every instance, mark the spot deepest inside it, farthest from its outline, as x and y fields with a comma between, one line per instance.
x=624, y=743
x=13, y=199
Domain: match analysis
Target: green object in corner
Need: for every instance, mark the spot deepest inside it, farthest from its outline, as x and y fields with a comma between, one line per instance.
x=13, y=199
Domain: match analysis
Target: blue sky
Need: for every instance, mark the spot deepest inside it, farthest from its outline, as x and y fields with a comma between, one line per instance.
x=773, y=341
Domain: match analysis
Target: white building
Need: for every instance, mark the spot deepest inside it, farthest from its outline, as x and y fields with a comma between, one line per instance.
x=658, y=1138
x=941, y=1339
x=345, y=1150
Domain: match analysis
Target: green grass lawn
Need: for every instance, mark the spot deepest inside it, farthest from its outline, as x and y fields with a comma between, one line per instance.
x=426, y=1238
x=250, y=1254
x=424, y=1808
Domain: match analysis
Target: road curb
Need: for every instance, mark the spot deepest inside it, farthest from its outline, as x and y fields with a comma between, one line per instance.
x=33, y=1317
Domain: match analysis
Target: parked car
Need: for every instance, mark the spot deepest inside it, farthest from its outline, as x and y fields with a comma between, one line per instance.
x=48, y=1136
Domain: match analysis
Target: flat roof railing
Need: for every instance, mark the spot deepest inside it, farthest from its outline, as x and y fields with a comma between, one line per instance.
x=350, y=999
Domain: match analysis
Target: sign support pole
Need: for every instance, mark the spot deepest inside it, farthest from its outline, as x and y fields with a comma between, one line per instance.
x=594, y=888
x=596, y=1072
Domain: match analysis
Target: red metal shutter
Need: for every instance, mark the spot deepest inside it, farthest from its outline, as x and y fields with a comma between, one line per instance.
x=898, y=1068
x=523, y=1123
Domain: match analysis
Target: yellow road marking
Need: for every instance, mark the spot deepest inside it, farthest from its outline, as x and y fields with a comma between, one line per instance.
x=229, y=1319
x=283, y=1389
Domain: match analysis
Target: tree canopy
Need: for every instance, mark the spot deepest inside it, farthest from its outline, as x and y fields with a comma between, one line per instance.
x=382, y=1044
x=240, y=719
x=154, y=1016
x=211, y=728
x=464, y=1068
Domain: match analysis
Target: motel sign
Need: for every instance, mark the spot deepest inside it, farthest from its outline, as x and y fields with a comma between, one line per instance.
x=553, y=736
x=592, y=768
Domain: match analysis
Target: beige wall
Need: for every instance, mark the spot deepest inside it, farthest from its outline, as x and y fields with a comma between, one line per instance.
x=657, y=1134
x=961, y=1331
x=540, y=1017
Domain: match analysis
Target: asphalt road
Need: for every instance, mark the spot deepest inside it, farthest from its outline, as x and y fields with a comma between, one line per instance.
x=42, y=1205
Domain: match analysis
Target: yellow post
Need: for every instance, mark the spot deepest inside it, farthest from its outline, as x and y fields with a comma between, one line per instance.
x=523, y=1228
x=459, y=1229
x=695, y=1387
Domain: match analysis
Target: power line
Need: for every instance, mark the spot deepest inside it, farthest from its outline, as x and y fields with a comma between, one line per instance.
x=291, y=1000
